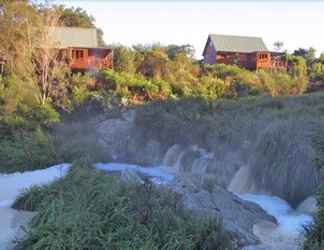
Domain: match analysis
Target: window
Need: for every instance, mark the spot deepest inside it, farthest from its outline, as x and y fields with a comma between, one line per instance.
x=263, y=56
x=77, y=54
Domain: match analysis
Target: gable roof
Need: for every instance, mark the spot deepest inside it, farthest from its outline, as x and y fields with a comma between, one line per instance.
x=74, y=37
x=237, y=43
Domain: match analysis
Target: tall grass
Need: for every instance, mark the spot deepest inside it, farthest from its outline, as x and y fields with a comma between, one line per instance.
x=315, y=232
x=89, y=210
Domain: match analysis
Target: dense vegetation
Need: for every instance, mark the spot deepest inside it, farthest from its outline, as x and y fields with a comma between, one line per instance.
x=89, y=210
x=31, y=105
x=315, y=232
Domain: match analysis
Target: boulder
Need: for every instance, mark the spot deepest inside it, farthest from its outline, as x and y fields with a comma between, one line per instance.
x=238, y=216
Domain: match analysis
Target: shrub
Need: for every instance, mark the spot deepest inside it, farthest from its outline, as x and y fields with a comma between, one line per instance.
x=89, y=210
x=80, y=89
x=26, y=151
x=315, y=232
x=135, y=88
x=276, y=83
x=210, y=88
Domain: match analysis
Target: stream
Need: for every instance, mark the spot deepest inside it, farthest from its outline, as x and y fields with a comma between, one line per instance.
x=286, y=235
x=11, y=186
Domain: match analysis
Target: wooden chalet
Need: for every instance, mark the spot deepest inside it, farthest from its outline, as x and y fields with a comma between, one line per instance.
x=248, y=52
x=80, y=47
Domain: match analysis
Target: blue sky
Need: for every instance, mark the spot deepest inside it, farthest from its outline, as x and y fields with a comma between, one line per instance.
x=297, y=24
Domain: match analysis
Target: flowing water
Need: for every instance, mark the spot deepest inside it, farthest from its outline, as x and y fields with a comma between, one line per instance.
x=159, y=175
x=11, y=186
x=286, y=235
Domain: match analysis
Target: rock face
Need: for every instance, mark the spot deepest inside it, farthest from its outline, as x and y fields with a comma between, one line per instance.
x=238, y=216
x=283, y=161
x=308, y=206
x=279, y=159
x=114, y=135
x=275, y=157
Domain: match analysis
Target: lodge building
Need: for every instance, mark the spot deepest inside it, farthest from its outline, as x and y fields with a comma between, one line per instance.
x=248, y=52
x=80, y=46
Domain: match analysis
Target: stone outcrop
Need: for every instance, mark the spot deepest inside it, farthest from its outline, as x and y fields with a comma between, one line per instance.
x=279, y=161
x=238, y=216
x=283, y=162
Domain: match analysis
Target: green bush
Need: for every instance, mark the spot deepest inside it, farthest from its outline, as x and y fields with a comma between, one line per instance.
x=26, y=151
x=81, y=89
x=134, y=87
x=277, y=83
x=89, y=210
x=315, y=232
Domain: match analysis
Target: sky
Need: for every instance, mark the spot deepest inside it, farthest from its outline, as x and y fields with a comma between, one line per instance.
x=297, y=24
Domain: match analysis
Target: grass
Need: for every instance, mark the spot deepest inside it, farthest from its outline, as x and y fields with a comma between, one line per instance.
x=315, y=232
x=89, y=210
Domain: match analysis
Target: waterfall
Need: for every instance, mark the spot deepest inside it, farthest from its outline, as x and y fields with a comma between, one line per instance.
x=191, y=159
x=173, y=156
x=241, y=181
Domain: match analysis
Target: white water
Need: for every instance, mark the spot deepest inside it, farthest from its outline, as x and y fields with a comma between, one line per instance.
x=283, y=236
x=159, y=175
x=289, y=221
x=287, y=235
x=11, y=185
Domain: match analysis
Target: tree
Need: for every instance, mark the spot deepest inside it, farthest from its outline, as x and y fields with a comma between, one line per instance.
x=308, y=54
x=48, y=62
x=78, y=17
x=321, y=58
x=173, y=50
x=297, y=66
x=18, y=21
x=278, y=45
x=124, y=59
x=154, y=64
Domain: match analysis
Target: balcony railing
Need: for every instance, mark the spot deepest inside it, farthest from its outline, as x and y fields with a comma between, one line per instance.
x=90, y=63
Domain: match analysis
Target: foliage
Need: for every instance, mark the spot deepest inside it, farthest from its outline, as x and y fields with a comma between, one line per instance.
x=80, y=89
x=174, y=50
x=315, y=232
x=20, y=106
x=101, y=212
x=297, y=66
x=124, y=59
x=317, y=71
x=134, y=87
x=315, y=66
x=26, y=151
x=280, y=83
x=16, y=40
x=210, y=88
